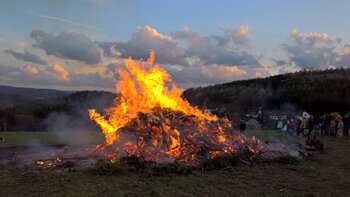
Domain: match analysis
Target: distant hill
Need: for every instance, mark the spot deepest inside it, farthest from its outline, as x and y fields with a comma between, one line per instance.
x=61, y=113
x=313, y=91
x=10, y=96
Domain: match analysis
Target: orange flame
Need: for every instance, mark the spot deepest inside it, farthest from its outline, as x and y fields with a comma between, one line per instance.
x=143, y=87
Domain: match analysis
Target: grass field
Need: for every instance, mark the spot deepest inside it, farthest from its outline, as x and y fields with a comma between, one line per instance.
x=48, y=138
x=324, y=174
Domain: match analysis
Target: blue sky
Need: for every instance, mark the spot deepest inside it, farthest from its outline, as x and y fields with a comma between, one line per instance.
x=258, y=32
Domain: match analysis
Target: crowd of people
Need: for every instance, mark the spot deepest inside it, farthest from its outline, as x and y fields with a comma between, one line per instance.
x=325, y=125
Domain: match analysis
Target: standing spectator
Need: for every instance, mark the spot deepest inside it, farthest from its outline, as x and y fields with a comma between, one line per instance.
x=333, y=128
x=310, y=126
x=346, y=122
x=280, y=126
x=290, y=127
x=297, y=123
x=317, y=124
x=326, y=124
x=340, y=127
x=242, y=126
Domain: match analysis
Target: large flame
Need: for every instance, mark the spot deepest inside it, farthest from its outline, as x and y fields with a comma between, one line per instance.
x=143, y=87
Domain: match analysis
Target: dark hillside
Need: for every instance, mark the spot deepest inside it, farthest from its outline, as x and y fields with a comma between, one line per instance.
x=69, y=111
x=10, y=96
x=314, y=91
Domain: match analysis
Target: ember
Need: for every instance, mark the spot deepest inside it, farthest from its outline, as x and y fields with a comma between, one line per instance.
x=154, y=122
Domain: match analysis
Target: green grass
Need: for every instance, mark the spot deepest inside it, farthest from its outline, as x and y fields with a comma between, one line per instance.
x=324, y=174
x=48, y=138
x=24, y=138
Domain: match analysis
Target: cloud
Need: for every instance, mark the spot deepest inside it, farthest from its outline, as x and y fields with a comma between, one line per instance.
x=69, y=45
x=343, y=59
x=31, y=69
x=240, y=35
x=210, y=74
x=63, y=74
x=280, y=62
x=65, y=21
x=197, y=50
x=192, y=59
x=26, y=56
x=211, y=51
x=223, y=72
x=262, y=71
x=144, y=39
x=312, y=50
x=313, y=37
x=51, y=77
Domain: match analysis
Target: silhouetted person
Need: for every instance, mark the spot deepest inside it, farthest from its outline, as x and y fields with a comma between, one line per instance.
x=297, y=124
x=333, y=128
x=317, y=124
x=290, y=127
x=326, y=124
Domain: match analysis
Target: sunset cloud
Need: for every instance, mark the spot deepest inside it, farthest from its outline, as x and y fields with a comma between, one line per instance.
x=240, y=35
x=313, y=37
x=312, y=50
x=223, y=72
x=62, y=73
x=31, y=69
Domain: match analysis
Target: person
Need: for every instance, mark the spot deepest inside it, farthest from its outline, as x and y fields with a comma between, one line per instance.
x=297, y=123
x=242, y=126
x=346, y=122
x=279, y=126
x=333, y=128
x=326, y=124
x=317, y=124
x=290, y=127
x=310, y=126
x=340, y=128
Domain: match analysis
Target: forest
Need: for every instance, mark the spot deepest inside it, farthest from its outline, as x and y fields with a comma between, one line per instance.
x=314, y=91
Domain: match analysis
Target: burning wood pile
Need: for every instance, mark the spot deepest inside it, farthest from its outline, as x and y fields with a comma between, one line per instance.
x=166, y=136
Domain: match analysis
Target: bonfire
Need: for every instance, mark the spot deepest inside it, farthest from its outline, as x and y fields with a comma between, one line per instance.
x=151, y=120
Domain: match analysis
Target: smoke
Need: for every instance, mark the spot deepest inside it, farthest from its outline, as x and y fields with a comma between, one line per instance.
x=71, y=123
x=290, y=109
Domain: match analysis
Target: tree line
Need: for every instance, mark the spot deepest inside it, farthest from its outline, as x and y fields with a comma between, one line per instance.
x=315, y=91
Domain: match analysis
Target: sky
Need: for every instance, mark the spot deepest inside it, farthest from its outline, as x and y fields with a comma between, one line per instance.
x=77, y=45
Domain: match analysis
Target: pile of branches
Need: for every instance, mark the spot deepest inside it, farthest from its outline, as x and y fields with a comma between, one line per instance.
x=151, y=137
